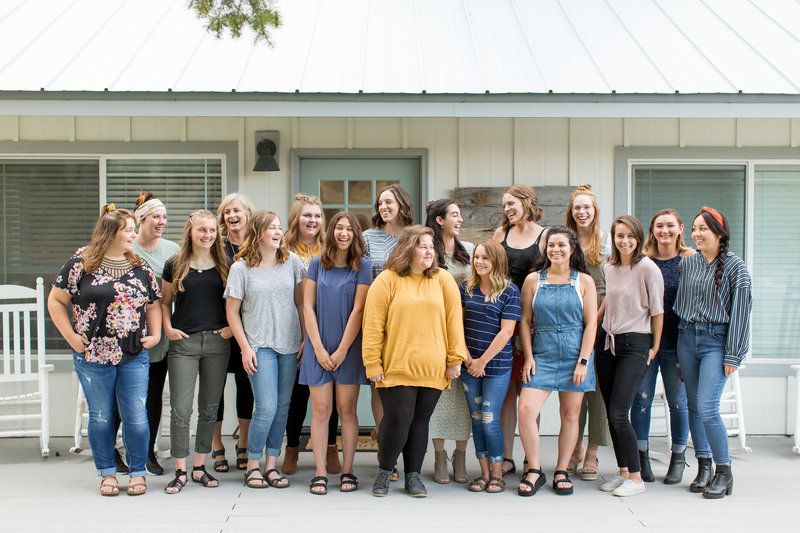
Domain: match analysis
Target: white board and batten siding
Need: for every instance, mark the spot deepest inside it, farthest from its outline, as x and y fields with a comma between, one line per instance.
x=462, y=152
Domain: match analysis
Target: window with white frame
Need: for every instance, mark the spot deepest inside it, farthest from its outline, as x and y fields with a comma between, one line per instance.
x=50, y=207
x=768, y=237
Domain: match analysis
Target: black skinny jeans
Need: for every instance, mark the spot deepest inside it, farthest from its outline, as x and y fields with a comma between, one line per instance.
x=155, y=400
x=404, y=428
x=620, y=377
x=298, y=406
x=244, y=391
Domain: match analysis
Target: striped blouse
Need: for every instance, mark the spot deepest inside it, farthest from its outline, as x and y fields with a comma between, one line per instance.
x=379, y=245
x=699, y=300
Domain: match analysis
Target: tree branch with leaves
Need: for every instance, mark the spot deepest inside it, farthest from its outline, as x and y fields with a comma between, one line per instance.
x=260, y=16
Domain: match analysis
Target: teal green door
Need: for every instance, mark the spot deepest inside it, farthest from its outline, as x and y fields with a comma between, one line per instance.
x=351, y=184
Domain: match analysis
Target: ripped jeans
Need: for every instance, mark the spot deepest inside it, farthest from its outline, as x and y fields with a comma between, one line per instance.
x=108, y=388
x=485, y=399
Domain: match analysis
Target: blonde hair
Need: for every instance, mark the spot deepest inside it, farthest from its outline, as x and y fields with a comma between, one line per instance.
x=651, y=244
x=594, y=251
x=180, y=268
x=497, y=277
x=292, y=234
x=247, y=205
x=257, y=226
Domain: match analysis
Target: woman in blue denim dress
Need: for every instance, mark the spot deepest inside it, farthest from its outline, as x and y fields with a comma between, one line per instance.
x=560, y=302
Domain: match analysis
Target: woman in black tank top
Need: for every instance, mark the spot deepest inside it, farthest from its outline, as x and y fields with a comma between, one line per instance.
x=521, y=212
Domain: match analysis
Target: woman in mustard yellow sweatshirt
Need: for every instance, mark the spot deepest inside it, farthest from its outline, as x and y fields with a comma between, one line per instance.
x=413, y=345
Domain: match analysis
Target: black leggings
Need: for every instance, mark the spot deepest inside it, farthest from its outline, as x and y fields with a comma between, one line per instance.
x=297, y=415
x=619, y=377
x=155, y=400
x=244, y=391
x=404, y=428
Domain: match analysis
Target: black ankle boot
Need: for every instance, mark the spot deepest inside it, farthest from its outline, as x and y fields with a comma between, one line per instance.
x=675, y=471
x=152, y=465
x=721, y=485
x=703, y=477
x=122, y=468
x=644, y=466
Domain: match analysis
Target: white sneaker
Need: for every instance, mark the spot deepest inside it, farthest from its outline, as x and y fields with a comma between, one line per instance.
x=611, y=486
x=629, y=488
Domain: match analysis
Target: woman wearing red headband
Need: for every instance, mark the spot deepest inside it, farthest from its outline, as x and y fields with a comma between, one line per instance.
x=713, y=302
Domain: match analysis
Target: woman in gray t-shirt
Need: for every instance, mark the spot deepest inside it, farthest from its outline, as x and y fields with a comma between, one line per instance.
x=263, y=302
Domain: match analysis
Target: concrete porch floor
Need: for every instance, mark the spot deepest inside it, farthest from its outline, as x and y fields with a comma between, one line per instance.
x=61, y=494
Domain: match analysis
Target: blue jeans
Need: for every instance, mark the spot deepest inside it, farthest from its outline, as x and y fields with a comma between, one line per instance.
x=667, y=360
x=108, y=388
x=272, y=390
x=485, y=399
x=701, y=348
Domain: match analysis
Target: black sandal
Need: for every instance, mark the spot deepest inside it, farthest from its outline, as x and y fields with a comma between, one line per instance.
x=513, y=466
x=176, y=483
x=241, y=462
x=317, y=482
x=222, y=464
x=275, y=481
x=207, y=480
x=536, y=485
x=562, y=491
x=348, y=479
x=255, y=482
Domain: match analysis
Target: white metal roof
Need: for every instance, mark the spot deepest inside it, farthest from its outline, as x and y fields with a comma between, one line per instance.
x=409, y=47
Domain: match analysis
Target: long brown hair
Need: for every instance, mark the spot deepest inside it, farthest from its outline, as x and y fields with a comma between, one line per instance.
x=292, y=234
x=111, y=222
x=530, y=203
x=594, y=251
x=497, y=277
x=434, y=210
x=180, y=267
x=403, y=253
x=257, y=226
x=405, y=210
x=357, y=248
x=651, y=244
x=722, y=229
x=638, y=233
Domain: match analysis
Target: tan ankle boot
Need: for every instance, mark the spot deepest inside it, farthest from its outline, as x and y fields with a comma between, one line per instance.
x=290, y=460
x=460, y=466
x=440, y=474
x=333, y=465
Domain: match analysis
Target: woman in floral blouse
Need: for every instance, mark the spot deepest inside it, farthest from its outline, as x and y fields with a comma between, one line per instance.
x=114, y=297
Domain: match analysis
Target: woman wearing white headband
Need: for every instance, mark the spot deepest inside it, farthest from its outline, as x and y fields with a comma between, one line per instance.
x=151, y=217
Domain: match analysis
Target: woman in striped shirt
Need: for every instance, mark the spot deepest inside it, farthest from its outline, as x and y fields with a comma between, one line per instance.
x=713, y=302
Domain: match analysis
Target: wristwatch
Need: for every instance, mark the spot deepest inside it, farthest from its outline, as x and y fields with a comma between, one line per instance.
x=584, y=362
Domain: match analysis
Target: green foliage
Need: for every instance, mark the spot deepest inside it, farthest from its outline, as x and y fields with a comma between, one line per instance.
x=233, y=15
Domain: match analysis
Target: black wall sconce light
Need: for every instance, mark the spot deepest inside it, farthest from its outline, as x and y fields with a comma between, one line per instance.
x=266, y=151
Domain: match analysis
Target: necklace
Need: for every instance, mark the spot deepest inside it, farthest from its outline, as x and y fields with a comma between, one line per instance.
x=116, y=267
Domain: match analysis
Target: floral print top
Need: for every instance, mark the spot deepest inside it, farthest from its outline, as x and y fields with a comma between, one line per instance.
x=109, y=312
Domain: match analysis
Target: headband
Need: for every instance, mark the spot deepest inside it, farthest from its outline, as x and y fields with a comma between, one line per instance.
x=110, y=208
x=714, y=213
x=148, y=208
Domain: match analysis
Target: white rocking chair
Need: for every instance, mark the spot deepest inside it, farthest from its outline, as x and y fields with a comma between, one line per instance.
x=21, y=367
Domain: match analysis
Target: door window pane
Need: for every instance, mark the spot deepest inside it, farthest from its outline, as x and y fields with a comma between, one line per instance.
x=359, y=192
x=331, y=192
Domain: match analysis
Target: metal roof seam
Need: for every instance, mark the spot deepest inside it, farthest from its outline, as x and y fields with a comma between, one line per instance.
x=585, y=46
x=694, y=44
x=141, y=46
x=36, y=37
x=529, y=45
x=11, y=11
x=751, y=46
x=244, y=68
x=309, y=46
x=84, y=46
x=188, y=62
x=639, y=44
x=775, y=21
x=478, y=68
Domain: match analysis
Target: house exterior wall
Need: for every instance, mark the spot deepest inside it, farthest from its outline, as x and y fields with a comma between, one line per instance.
x=463, y=152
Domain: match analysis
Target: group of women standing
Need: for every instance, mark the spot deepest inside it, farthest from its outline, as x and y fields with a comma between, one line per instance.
x=451, y=336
